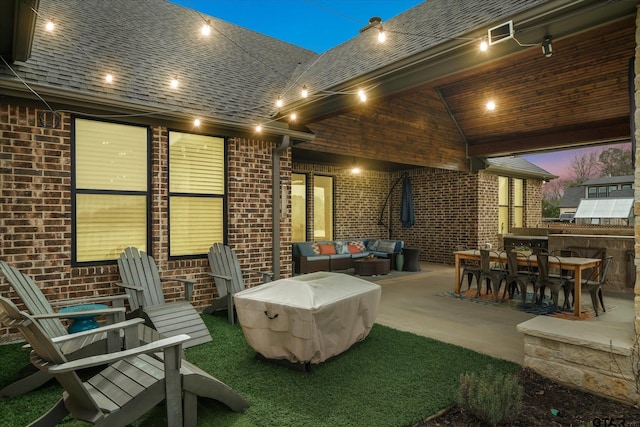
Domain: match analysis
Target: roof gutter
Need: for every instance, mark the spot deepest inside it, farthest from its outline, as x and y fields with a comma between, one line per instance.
x=84, y=101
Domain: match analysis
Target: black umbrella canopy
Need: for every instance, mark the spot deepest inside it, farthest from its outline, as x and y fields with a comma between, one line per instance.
x=407, y=216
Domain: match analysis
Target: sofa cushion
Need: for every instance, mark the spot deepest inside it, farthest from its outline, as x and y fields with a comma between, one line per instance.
x=305, y=249
x=342, y=247
x=360, y=255
x=372, y=244
x=353, y=248
x=316, y=248
x=387, y=246
x=327, y=249
x=359, y=244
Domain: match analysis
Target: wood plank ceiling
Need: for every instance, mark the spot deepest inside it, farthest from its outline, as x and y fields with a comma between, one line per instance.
x=578, y=96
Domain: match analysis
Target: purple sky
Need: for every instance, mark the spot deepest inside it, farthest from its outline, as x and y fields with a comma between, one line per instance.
x=559, y=162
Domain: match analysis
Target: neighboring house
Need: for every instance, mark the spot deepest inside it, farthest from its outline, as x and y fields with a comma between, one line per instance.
x=607, y=200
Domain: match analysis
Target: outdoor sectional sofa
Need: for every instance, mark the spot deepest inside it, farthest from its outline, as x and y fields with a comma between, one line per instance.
x=335, y=255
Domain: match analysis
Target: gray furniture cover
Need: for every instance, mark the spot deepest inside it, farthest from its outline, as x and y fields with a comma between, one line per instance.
x=307, y=318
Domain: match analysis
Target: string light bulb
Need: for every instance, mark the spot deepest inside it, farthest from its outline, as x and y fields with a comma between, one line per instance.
x=305, y=91
x=491, y=105
x=109, y=78
x=484, y=45
x=293, y=116
x=50, y=26
x=206, y=28
x=175, y=83
x=196, y=122
x=382, y=36
x=279, y=103
x=362, y=95
x=258, y=128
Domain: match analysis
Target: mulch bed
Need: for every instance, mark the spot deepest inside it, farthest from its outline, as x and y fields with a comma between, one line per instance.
x=543, y=398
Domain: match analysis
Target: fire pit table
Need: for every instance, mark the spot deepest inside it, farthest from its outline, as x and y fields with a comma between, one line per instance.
x=309, y=318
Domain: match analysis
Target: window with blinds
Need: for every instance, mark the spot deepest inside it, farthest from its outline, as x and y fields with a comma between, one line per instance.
x=196, y=193
x=110, y=188
x=503, y=204
x=518, y=202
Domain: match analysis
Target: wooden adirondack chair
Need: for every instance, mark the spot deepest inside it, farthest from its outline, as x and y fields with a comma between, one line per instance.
x=143, y=284
x=227, y=275
x=35, y=301
x=135, y=380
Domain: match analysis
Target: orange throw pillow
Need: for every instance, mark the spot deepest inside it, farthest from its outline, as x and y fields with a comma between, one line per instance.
x=327, y=249
x=354, y=249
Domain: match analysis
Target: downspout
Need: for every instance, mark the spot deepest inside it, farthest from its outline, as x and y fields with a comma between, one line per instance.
x=277, y=205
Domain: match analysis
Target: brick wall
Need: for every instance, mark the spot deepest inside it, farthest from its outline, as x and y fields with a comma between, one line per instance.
x=451, y=208
x=35, y=211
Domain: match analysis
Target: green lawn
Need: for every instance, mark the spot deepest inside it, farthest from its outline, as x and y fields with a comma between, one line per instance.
x=392, y=378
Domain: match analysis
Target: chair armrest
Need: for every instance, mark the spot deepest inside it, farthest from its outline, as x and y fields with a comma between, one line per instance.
x=109, y=358
x=188, y=285
x=117, y=299
x=220, y=276
x=108, y=328
x=132, y=287
x=266, y=275
x=106, y=311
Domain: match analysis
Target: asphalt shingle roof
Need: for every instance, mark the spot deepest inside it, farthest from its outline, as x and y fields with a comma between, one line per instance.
x=518, y=164
x=604, y=180
x=234, y=73
x=145, y=43
x=418, y=29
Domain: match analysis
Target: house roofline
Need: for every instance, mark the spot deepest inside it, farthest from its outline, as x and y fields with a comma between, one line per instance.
x=90, y=103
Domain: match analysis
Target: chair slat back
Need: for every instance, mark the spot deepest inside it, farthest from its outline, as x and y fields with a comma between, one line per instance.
x=224, y=261
x=599, y=274
x=45, y=352
x=139, y=269
x=33, y=298
x=512, y=262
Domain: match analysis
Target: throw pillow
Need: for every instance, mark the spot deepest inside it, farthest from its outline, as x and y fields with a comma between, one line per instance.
x=327, y=249
x=316, y=248
x=342, y=247
x=353, y=248
x=360, y=244
x=306, y=249
x=373, y=244
x=387, y=246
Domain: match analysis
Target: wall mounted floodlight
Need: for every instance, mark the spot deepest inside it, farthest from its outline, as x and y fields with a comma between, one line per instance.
x=500, y=33
x=547, y=48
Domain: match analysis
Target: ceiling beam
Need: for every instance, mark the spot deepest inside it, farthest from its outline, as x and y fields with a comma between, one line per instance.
x=595, y=133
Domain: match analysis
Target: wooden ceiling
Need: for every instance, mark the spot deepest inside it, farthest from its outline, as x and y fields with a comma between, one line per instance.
x=577, y=96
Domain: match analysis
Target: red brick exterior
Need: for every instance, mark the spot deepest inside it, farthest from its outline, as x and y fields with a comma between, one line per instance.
x=35, y=211
x=451, y=208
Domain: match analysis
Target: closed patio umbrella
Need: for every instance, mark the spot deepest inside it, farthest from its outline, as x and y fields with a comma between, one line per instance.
x=407, y=216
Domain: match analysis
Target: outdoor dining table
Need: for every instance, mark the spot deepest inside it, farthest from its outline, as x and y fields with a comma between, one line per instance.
x=575, y=264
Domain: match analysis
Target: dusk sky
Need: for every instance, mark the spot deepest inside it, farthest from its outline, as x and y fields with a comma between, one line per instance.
x=323, y=24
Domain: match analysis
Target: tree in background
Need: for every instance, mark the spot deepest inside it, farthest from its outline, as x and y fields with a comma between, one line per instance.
x=584, y=166
x=615, y=162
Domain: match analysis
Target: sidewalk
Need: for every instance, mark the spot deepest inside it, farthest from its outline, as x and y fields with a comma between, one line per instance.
x=410, y=302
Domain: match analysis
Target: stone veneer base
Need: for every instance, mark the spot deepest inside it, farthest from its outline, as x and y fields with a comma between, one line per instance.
x=586, y=355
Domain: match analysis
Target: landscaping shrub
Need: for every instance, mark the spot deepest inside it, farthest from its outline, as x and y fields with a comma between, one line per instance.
x=492, y=397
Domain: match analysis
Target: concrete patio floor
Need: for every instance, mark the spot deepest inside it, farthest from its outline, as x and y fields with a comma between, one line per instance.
x=410, y=302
